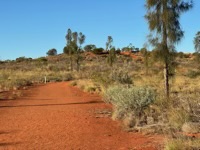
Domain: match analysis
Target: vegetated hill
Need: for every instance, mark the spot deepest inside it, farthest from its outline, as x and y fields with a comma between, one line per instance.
x=61, y=61
x=95, y=67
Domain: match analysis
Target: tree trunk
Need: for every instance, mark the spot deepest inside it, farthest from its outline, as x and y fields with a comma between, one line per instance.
x=165, y=53
x=78, y=64
x=166, y=77
x=71, y=64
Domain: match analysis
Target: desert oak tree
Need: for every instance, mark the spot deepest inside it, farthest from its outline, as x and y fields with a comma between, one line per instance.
x=163, y=19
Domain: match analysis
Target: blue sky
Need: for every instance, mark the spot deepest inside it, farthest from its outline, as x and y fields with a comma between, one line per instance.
x=31, y=27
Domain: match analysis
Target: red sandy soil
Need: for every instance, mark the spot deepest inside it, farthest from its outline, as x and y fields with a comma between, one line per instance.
x=57, y=116
x=133, y=56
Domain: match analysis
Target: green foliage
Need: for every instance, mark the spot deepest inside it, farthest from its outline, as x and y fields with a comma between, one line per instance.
x=109, y=43
x=81, y=39
x=163, y=19
x=78, y=58
x=197, y=42
x=52, y=52
x=72, y=47
x=128, y=48
x=121, y=77
x=116, y=76
x=89, y=48
x=22, y=59
x=75, y=37
x=98, y=51
x=111, y=57
x=133, y=100
x=180, y=54
x=69, y=36
x=118, y=51
x=67, y=50
x=42, y=59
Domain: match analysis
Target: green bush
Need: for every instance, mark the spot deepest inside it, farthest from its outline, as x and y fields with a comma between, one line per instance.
x=22, y=59
x=98, y=50
x=133, y=100
x=121, y=77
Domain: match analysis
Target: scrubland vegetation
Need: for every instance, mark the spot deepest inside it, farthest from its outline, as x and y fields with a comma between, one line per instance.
x=151, y=91
x=135, y=90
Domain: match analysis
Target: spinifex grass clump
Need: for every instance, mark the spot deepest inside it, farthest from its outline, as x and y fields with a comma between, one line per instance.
x=130, y=101
x=183, y=144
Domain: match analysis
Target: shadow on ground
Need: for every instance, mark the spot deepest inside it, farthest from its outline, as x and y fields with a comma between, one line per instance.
x=63, y=104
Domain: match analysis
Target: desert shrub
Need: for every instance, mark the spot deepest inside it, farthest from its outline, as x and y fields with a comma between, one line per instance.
x=68, y=77
x=193, y=74
x=182, y=144
x=191, y=104
x=60, y=76
x=97, y=50
x=177, y=117
x=41, y=59
x=133, y=100
x=89, y=47
x=187, y=55
x=116, y=76
x=90, y=89
x=73, y=83
x=52, y=52
x=102, y=78
x=181, y=108
x=22, y=59
x=87, y=85
x=180, y=54
x=118, y=51
x=121, y=76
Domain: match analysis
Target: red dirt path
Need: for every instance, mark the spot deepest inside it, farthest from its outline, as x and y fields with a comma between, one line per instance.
x=58, y=116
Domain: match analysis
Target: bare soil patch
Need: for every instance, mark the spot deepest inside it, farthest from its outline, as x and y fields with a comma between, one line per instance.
x=59, y=116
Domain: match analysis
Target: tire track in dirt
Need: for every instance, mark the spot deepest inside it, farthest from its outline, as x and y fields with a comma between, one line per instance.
x=57, y=116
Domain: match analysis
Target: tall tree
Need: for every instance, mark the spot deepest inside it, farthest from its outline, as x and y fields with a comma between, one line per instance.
x=163, y=20
x=81, y=40
x=89, y=48
x=197, y=42
x=112, y=56
x=109, y=43
x=75, y=37
x=69, y=36
x=109, y=47
x=70, y=47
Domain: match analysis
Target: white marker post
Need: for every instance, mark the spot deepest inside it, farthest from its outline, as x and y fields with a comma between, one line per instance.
x=45, y=79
